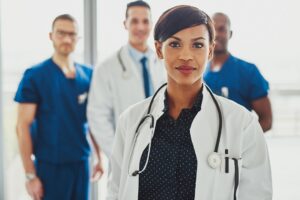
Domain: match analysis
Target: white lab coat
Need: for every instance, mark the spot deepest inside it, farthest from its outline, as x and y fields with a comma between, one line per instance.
x=241, y=134
x=111, y=93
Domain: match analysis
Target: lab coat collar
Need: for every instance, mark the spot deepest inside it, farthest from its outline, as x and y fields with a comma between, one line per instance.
x=195, y=107
x=132, y=67
x=136, y=55
x=159, y=105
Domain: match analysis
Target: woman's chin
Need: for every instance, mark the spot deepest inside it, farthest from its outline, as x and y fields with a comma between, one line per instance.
x=186, y=83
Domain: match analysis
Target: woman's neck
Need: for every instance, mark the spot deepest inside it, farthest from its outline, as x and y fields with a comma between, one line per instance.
x=180, y=97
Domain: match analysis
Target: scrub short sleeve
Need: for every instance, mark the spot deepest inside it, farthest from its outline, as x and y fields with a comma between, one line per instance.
x=27, y=91
x=258, y=85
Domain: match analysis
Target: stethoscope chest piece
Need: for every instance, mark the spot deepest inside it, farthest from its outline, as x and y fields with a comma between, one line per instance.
x=214, y=160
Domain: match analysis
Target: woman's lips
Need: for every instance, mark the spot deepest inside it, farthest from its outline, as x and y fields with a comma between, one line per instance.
x=185, y=69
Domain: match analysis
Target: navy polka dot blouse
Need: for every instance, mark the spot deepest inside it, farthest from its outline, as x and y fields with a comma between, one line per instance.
x=172, y=168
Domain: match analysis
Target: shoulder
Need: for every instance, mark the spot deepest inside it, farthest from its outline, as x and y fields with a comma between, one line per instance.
x=134, y=110
x=240, y=122
x=244, y=66
x=108, y=65
x=32, y=82
x=85, y=67
x=111, y=65
x=234, y=112
x=88, y=70
x=111, y=59
x=38, y=69
x=134, y=113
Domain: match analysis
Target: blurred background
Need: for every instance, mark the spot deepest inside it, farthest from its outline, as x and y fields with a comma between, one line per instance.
x=265, y=32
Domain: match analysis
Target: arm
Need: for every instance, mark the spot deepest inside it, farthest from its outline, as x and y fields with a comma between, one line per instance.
x=115, y=161
x=255, y=177
x=26, y=113
x=100, y=111
x=98, y=167
x=258, y=97
x=263, y=109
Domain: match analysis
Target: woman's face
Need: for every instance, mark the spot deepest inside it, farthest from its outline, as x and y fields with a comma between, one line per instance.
x=186, y=54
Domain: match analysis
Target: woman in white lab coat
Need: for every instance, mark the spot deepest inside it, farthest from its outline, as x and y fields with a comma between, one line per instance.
x=186, y=143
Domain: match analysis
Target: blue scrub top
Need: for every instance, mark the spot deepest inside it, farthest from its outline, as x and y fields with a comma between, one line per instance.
x=243, y=81
x=59, y=131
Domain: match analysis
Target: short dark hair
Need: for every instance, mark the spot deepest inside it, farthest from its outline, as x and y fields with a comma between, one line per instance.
x=64, y=17
x=136, y=3
x=181, y=17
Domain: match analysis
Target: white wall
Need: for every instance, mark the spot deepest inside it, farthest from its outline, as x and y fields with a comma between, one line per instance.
x=265, y=32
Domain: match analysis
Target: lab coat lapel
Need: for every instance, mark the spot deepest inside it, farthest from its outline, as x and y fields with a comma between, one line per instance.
x=130, y=65
x=158, y=104
x=203, y=134
x=204, y=129
x=131, y=185
x=144, y=131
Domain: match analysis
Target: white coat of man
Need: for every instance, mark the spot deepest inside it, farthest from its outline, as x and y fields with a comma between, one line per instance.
x=128, y=76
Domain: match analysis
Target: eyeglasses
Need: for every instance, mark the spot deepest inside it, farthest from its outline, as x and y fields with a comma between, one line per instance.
x=62, y=34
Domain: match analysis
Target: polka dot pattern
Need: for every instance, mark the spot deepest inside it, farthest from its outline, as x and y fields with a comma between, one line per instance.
x=172, y=167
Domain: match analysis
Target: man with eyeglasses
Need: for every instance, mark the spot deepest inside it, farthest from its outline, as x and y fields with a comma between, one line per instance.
x=51, y=124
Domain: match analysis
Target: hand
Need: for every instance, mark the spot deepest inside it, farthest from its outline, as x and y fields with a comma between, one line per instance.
x=97, y=171
x=34, y=188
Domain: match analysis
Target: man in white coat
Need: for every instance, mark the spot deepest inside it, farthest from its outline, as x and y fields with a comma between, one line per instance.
x=130, y=75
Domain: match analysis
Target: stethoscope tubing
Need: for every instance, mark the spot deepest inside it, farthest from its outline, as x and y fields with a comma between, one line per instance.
x=121, y=61
x=149, y=115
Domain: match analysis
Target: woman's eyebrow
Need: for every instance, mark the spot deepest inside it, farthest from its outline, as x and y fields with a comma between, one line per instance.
x=198, y=38
x=193, y=39
x=176, y=38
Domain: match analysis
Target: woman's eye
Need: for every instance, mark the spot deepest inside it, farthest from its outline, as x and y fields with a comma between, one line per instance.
x=197, y=45
x=174, y=44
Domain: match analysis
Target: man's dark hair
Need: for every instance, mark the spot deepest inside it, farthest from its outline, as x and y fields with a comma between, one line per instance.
x=136, y=3
x=180, y=17
x=64, y=17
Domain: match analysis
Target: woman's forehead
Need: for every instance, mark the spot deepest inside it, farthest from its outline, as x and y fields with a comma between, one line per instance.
x=199, y=31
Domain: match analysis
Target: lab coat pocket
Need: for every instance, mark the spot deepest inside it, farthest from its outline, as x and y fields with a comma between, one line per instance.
x=130, y=188
x=226, y=179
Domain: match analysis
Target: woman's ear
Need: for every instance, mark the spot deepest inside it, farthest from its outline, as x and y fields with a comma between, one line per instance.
x=211, y=51
x=158, y=47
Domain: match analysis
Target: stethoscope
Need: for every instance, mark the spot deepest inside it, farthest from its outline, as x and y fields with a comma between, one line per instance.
x=214, y=159
x=125, y=72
